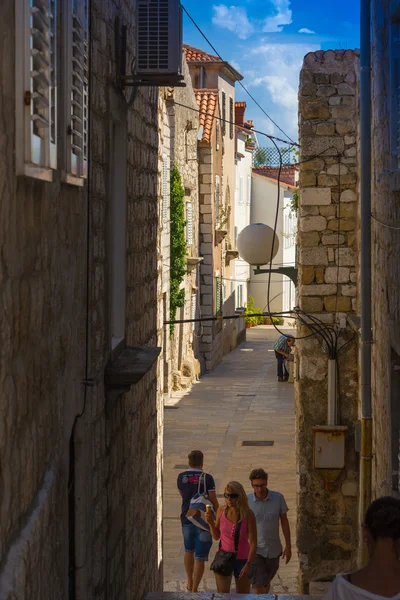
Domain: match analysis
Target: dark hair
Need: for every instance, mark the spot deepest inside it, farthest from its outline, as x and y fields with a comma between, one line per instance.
x=258, y=474
x=196, y=458
x=382, y=518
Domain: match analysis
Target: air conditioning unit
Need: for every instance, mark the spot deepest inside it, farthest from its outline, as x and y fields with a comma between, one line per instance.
x=159, y=43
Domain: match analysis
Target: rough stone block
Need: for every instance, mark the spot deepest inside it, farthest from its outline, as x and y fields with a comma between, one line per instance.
x=315, y=196
x=205, y=208
x=347, y=210
x=317, y=223
x=335, y=100
x=325, y=129
x=315, y=145
x=311, y=305
x=344, y=89
x=351, y=152
x=306, y=211
x=349, y=178
x=332, y=239
x=313, y=256
x=348, y=196
x=349, y=139
x=319, y=274
x=206, y=228
x=307, y=275
x=309, y=239
x=336, y=78
x=331, y=255
x=318, y=290
x=353, y=276
x=317, y=164
x=344, y=126
x=342, y=112
x=308, y=88
x=206, y=299
x=342, y=224
x=328, y=211
x=349, y=290
x=308, y=179
x=337, y=275
x=337, y=169
x=322, y=78
x=314, y=109
x=326, y=90
x=337, y=304
x=327, y=180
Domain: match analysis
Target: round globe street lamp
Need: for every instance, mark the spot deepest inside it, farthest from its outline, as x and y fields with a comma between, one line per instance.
x=255, y=244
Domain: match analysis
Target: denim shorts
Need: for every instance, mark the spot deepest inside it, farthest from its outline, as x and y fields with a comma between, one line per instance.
x=197, y=540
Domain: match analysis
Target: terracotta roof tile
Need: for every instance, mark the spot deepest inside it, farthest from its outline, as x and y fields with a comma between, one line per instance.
x=195, y=54
x=207, y=101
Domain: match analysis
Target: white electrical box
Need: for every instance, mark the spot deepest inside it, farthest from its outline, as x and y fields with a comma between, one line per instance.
x=329, y=446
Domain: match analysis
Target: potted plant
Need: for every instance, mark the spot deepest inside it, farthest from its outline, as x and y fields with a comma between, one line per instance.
x=250, y=311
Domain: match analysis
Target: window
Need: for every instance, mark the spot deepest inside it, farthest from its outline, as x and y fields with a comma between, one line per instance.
x=165, y=189
x=189, y=223
x=218, y=295
x=248, y=190
x=223, y=101
x=217, y=196
x=239, y=296
x=36, y=77
x=75, y=91
x=395, y=84
x=231, y=118
x=194, y=310
x=241, y=196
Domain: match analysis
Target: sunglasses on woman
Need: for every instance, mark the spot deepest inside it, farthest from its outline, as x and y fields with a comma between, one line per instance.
x=231, y=496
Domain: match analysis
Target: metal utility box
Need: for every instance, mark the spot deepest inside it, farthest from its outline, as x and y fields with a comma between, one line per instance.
x=329, y=446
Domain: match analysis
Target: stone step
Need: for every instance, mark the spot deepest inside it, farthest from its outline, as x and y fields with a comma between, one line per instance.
x=218, y=596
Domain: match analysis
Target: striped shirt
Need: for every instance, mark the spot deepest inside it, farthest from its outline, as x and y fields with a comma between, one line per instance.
x=281, y=344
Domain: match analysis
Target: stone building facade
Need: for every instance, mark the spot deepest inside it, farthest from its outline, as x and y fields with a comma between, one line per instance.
x=80, y=442
x=214, y=83
x=385, y=182
x=328, y=523
x=181, y=126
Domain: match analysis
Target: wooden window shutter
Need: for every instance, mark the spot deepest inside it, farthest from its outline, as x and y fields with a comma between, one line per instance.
x=165, y=189
x=231, y=118
x=36, y=88
x=189, y=223
x=76, y=90
x=218, y=295
x=223, y=126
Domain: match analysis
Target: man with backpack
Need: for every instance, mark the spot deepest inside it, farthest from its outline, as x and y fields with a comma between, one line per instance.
x=196, y=535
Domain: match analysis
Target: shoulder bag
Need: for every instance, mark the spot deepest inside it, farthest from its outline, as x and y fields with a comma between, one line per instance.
x=224, y=562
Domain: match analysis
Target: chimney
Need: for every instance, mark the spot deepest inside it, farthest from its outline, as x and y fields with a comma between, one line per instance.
x=240, y=108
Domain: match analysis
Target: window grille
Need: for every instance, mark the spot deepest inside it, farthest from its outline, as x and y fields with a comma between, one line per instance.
x=189, y=223
x=239, y=296
x=76, y=89
x=223, y=125
x=218, y=295
x=36, y=88
x=231, y=118
x=217, y=196
x=165, y=189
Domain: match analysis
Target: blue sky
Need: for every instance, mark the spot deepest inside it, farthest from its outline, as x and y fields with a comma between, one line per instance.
x=266, y=41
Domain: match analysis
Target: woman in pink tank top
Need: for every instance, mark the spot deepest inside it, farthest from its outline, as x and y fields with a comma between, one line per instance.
x=223, y=528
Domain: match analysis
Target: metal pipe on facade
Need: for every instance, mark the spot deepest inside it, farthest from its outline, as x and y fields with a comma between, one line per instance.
x=332, y=397
x=201, y=77
x=365, y=274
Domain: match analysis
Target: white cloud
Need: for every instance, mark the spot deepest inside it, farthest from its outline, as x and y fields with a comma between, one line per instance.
x=305, y=30
x=278, y=69
x=233, y=18
x=283, y=17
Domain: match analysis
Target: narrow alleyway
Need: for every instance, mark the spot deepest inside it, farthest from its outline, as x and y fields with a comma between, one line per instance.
x=240, y=401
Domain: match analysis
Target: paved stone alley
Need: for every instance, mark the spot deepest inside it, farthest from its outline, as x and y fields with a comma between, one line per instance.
x=240, y=401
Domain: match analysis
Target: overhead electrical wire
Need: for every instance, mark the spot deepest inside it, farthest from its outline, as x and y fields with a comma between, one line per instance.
x=240, y=83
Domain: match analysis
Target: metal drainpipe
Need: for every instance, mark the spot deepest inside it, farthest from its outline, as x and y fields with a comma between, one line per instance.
x=365, y=274
x=201, y=77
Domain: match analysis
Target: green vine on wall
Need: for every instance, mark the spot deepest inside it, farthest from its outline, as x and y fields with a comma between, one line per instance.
x=178, y=244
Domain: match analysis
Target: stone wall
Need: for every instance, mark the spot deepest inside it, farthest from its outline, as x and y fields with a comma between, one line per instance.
x=76, y=467
x=184, y=126
x=328, y=239
x=385, y=264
